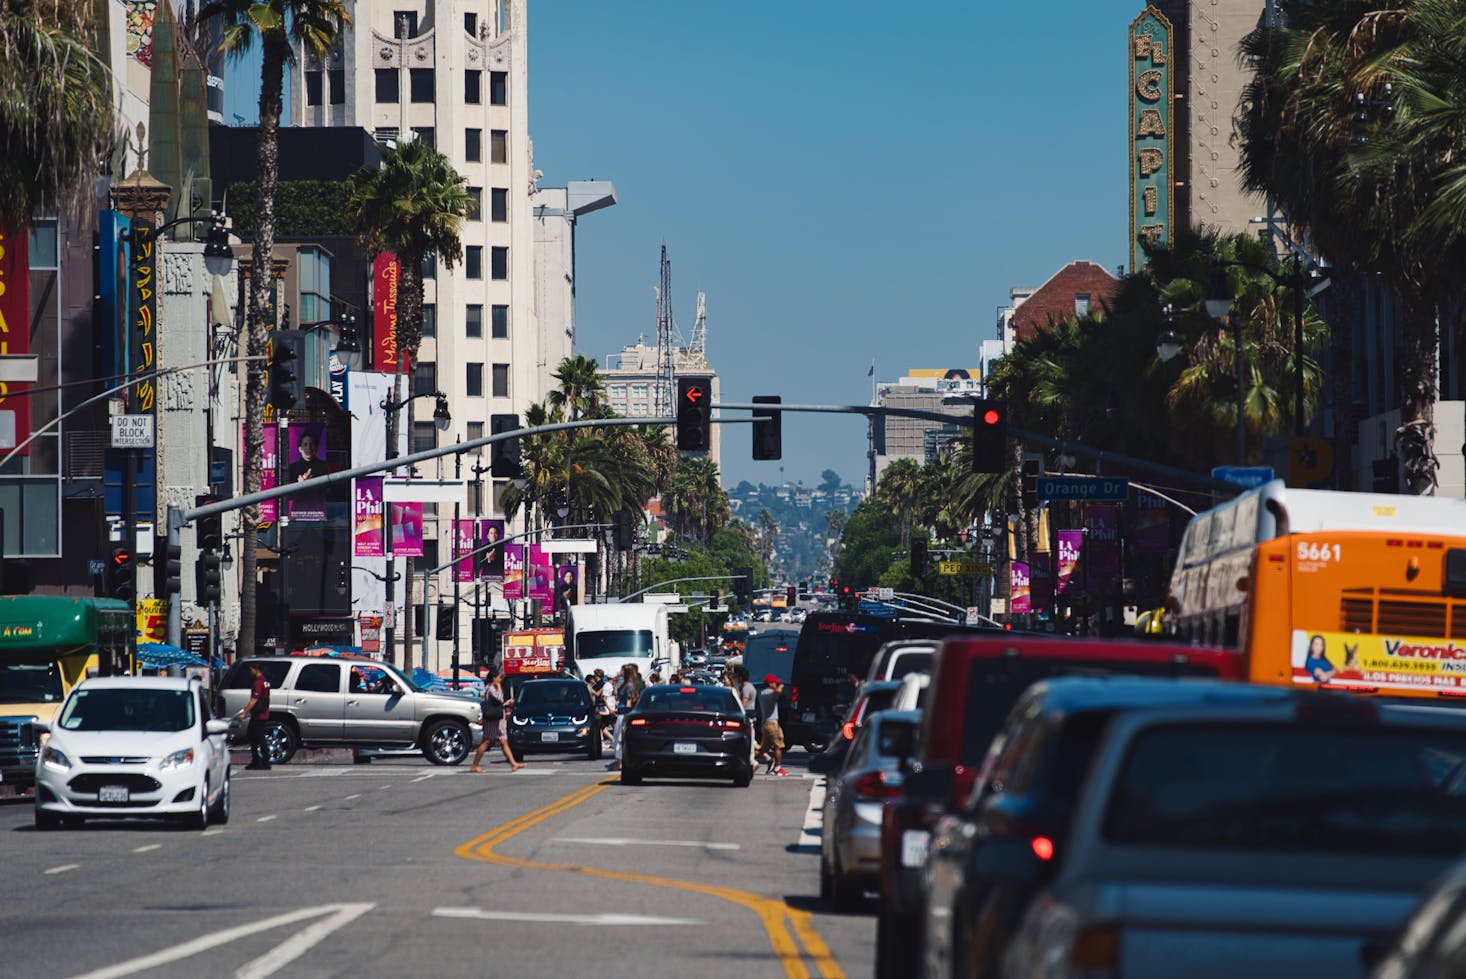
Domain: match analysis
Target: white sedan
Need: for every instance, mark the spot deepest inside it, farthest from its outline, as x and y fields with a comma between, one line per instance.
x=134, y=746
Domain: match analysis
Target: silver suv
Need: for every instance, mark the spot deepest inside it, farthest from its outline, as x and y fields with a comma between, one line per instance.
x=357, y=703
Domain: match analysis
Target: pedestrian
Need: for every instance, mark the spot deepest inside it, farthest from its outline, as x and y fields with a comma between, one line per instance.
x=605, y=704
x=771, y=735
x=628, y=691
x=747, y=692
x=258, y=711
x=493, y=708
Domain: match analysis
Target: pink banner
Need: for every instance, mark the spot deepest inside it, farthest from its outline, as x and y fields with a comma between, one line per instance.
x=15, y=334
x=513, y=571
x=1150, y=524
x=1103, y=559
x=1019, y=589
x=307, y=461
x=1071, y=542
x=491, y=561
x=406, y=529
x=539, y=575
x=269, y=470
x=463, y=546
x=567, y=581
x=367, y=539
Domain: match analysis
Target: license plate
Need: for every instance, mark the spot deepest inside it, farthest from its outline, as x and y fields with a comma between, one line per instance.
x=684, y=748
x=548, y=736
x=809, y=716
x=112, y=793
x=914, y=844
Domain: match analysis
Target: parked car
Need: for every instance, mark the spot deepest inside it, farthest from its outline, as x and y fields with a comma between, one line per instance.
x=134, y=746
x=1432, y=942
x=687, y=731
x=353, y=703
x=1289, y=836
x=869, y=698
x=913, y=692
x=850, y=846
x=896, y=659
x=975, y=680
x=555, y=715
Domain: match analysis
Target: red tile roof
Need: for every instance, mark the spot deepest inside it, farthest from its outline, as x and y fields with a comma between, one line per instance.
x=1054, y=301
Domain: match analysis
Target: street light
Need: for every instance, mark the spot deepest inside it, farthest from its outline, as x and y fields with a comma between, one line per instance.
x=1219, y=308
x=1168, y=344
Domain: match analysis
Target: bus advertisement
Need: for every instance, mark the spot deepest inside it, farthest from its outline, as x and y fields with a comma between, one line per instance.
x=1355, y=591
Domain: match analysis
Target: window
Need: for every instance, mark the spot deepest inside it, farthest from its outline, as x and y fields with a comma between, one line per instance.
x=430, y=266
x=501, y=381
x=474, y=432
x=499, y=204
x=473, y=145
x=473, y=85
x=1081, y=304
x=473, y=320
x=470, y=24
x=424, y=437
x=476, y=204
x=498, y=88
x=473, y=261
x=429, y=319
x=313, y=87
x=500, y=326
x=475, y=381
x=425, y=380
x=43, y=244
x=319, y=678
x=421, y=84
x=498, y=146
x=404, y=23
x=500, y=262
x=426, y=134
x=388, y=85
x=337, y=77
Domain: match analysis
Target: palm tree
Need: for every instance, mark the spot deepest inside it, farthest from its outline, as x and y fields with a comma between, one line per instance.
x=580, y=388
x=56, y=121
x=281, y=26
x=899, y=491
x=411, y=206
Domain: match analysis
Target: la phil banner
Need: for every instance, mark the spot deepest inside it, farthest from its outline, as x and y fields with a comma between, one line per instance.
x=1103, y=554
x=386, y=273
x=463, y=545
x=15, y=332
x=1071, y=543
x=406, y=529
x=540, y=575
x=307, y=461
x=1019, y=585
x=367, y=538
x=1150, y=523
x=491, y=561
x=513, y=571
x=269, y=469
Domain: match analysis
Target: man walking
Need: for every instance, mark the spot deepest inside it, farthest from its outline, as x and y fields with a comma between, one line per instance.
x=258, y=710
x=771, y=735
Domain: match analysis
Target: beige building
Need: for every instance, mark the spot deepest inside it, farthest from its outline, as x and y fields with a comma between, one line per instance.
x=927, y=389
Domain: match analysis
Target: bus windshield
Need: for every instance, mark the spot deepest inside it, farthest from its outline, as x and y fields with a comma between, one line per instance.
x=612, y=643
x=30, y=683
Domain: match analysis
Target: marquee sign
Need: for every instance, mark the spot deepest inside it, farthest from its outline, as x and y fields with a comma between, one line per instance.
x=1152, y=116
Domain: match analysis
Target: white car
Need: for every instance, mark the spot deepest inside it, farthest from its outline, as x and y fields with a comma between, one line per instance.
x=134, y=746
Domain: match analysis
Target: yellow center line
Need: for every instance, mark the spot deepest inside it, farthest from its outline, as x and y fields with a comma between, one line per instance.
x=771, y=912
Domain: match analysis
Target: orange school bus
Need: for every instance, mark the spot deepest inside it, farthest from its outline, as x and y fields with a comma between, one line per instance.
x=1357, y=591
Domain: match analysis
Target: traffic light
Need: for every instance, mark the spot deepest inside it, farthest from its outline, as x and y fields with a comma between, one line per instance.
x=625, y=530
x=210, y=530
x=791, y=596
x=285, y=387
x=504, y=455
x=447, y=622
x=120, y=574
x=717, y=600
x=350, y=341
x=918, y=556
x=743, y=584
x=768, y=428
x=694, y=415
x=172, y=569
x=1032, y=467
x=206, y=580
x=849, y=598
x=989, y=437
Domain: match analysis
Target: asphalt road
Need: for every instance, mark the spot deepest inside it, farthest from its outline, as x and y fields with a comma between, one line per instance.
x=399, y=868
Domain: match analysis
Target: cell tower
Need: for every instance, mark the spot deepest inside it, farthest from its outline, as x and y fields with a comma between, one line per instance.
x=666, y=369
x=697, y=346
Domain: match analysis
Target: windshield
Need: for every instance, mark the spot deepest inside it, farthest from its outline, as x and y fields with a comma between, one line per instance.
x=658, y=699
x=551, y=696
x=30, y=683
x=614, y=643
x=1293, y=787
x=114, y=709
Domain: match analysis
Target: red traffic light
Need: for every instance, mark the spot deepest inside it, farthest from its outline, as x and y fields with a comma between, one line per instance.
x=694, y=393
x=121, y=557
x=991, y=417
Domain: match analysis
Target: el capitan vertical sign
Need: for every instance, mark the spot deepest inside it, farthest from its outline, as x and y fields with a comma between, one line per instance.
x=1152, y=117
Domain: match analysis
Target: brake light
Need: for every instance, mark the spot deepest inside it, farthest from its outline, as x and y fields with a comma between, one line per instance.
x=638, y=722
x=847, y=730
x=687, y=689
x=793, y=696
x=873, y=785
x=733, y=725
x=1043, y=847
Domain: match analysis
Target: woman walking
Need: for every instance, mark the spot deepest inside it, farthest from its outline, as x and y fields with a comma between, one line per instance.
x=628, y=690
x=493, y=715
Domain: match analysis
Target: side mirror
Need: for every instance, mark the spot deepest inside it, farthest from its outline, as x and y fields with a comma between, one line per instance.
x=396, y=690
x=215, y=726
x=932, y=785
x=1007, y=862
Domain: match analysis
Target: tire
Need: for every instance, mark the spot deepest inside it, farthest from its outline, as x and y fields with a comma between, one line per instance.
x=282, y=740
x=46, y=820
x=815, y=747
x=826, y=880
x=199, y=818
x=629, y=777
x=845, y=894
x=447, y=742
x=220, y=812
x=898, y=945
x=357, y=758
x=744, y=779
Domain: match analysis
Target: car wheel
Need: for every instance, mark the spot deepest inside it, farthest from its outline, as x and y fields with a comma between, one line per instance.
x=897, y=938
x=814, y=747
x=629, y=777
x=199, y=818
x=47, y=820
x=744, y=778
x=282, y=741
x=446, y=742
x=845, y=894
x=220, y=812
x=357, y=758
x=826, y=882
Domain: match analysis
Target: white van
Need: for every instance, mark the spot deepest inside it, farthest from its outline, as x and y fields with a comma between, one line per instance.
x=609, y=636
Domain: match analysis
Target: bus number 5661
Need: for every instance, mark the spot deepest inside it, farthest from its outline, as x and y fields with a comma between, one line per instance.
x=1313, y=551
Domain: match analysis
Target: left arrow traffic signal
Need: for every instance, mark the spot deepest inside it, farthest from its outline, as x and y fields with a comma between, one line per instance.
x=120, y=574
x=694, y=415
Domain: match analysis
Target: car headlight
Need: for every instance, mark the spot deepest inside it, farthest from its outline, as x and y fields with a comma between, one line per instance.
x=521, y=721
x=55, y=760
x=179, y=759
x=580, y=720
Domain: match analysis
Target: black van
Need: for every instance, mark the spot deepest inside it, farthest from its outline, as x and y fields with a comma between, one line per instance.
x=833, y=648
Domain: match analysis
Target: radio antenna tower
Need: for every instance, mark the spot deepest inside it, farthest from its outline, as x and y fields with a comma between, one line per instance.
x=666, y=368
x=697, y=346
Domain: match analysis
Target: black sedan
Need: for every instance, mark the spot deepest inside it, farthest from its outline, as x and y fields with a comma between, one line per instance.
x=687, y=731
x=554, y=715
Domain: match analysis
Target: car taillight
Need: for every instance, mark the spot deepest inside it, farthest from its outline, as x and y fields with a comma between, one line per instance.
x=1042, y=847
x=873, y=785
x=1096, y=952
x=793, y=696
x=638, y=722
x=733, y=725
x=847, y=730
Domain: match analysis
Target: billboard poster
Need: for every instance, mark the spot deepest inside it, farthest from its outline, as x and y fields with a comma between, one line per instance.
x=1378, y=661
x=15, y=335
x=366, y=533
x=513, y=571
x=1150, y=524
x=1020, y=597
x=1152, y=94
x=463, y=546
x=539, y=575
x=386, y=272
x=1103, y=558
x=491, y=561
x=340, y=371
x=1071, y=543
x=406, y=529
x=567, y=585
x=307, y=461
x=143, y=302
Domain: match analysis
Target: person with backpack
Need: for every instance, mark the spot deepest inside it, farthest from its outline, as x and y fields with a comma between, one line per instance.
x=493, y=709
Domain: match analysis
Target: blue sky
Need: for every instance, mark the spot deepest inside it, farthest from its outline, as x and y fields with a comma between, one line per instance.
x=845, y=182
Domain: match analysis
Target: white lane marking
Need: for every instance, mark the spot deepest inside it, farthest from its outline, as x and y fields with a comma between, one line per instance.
x=561, y=919
x=145, y=849
x=389, y=785
x=300, y=943
x=621, y=841
x=64, y=868
x=340, y=915
x=212, y=832
x=814, y=817
x=423, y=778
x=355, y=795
x=266, y=819
x=311, y=808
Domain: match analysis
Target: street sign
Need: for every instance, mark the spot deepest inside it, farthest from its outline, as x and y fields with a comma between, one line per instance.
x=972, y=617
x=96, y=566
x=964, y=567
x=1248, y=476
x=998, y=606
x=1082, y=488
x=132, y=431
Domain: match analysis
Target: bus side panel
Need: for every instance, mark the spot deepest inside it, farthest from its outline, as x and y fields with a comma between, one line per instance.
x=1267, y=618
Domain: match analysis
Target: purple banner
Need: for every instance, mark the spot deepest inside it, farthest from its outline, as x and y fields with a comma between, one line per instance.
x=491, y=562
x=513, y=571
x=1020, y=600
x=463, y=545
x=1071, y=543
x=539, y=582
x=1150, y=524
x=307, y=461
x=1103, y=558
x=366, y=509
x=567, y=581
x=406, y=529
x=269, y=467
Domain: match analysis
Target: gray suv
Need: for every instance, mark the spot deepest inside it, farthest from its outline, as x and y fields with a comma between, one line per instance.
x=356, y=703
